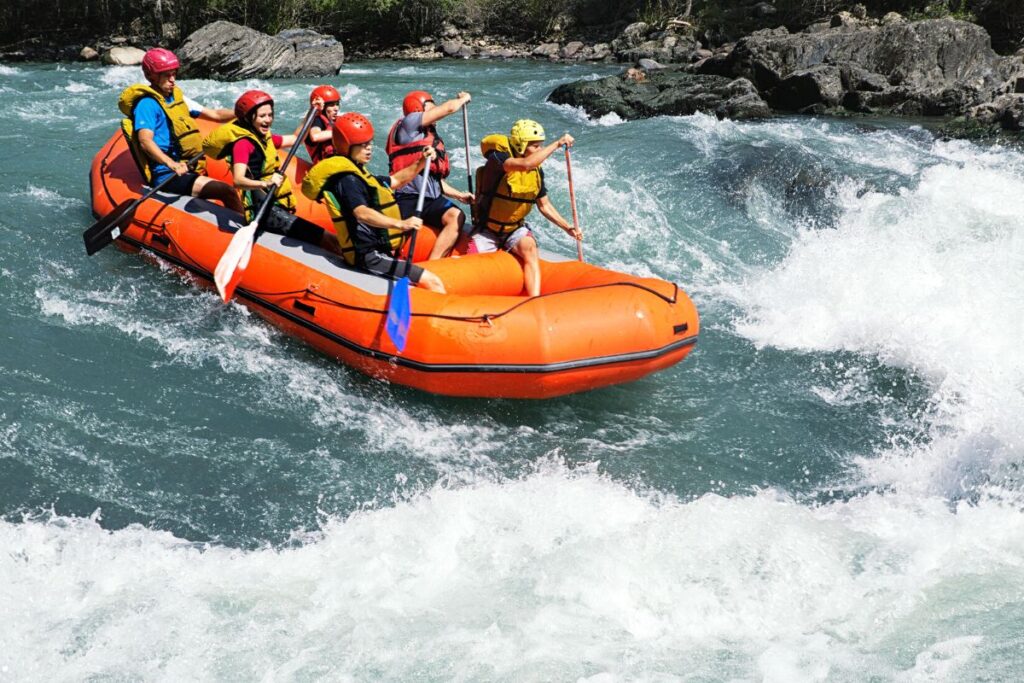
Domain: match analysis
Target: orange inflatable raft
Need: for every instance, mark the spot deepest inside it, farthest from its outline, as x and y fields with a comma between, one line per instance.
x=590, y=327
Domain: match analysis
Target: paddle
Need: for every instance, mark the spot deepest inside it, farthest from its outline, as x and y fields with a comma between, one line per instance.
x=235, y=259
x=465, y=130
x=572, y=201
x=107, y=229
x=400, y=308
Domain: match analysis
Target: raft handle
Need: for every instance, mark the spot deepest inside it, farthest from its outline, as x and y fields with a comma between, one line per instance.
x=160, y=239
x=305, y=308
x=679, y=329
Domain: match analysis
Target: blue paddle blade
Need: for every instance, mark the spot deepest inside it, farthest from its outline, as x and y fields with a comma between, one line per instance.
x=399, y=314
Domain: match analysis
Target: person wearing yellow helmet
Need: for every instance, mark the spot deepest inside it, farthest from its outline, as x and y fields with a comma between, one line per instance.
x=509, y=184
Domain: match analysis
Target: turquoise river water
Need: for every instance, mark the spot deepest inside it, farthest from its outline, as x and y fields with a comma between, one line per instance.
x=827, y=489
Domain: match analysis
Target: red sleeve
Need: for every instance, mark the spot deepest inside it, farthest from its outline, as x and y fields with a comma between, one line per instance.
x=278, y=139
x=241, y=151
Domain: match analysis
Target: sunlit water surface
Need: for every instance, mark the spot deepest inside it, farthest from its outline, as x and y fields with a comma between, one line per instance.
x=828, y=489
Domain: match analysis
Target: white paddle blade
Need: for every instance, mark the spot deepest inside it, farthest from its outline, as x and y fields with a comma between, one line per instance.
x=235, y=256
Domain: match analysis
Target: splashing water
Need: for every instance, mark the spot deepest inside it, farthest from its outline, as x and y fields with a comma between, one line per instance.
x=828, y=490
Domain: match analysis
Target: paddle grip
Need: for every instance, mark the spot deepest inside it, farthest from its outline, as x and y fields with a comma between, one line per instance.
x=465, y=131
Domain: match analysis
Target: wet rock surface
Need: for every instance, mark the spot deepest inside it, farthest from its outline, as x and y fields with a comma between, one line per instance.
x=670, y=91
x=938, y=67
x=229, y=51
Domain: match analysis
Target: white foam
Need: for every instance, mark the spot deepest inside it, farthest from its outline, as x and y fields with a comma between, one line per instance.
x=121, y=76
x=46, y=195
x=43, y=109
x=9, y=70
x=926, y=279
x=76, y=87
x=579, y=114
x=558, y=575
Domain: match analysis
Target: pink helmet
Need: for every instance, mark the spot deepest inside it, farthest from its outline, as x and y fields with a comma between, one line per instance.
x=158, y=61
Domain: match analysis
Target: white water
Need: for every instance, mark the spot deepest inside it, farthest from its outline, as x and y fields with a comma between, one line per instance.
x=568, y=573
x=943, y=298
x=555, y=576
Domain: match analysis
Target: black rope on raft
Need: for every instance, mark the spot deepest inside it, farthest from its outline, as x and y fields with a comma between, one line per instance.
x=482, y=318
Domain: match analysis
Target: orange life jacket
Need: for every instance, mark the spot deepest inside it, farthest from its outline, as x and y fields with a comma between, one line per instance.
x=400, y=156
x=318, y=151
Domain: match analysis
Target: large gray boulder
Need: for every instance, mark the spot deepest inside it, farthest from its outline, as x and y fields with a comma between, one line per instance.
x=229, y=51
x=123, y=56
x=932, y=67
x=669, y=91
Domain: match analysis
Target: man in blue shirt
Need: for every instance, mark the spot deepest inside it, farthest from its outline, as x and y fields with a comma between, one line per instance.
x=167, y=134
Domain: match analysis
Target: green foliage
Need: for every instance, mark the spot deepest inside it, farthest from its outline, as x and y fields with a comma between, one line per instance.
x=658, y=12
x=382, y=22
x=956, y=9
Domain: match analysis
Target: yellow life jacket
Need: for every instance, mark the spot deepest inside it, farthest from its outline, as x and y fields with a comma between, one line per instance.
x=381, y=198
x=185, y=139
x=262, y=165
x=506, y=198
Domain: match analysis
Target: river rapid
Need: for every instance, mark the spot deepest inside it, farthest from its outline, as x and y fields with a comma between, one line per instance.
x=827, y=489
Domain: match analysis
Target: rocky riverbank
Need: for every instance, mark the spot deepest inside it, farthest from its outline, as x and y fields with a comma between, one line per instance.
x=242, y=50
x=850, y=64
x=940, y=67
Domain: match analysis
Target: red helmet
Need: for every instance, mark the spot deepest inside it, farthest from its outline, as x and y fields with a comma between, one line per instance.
x=327, y=93
x=249, y=101
x=159, y=61
x=350, y=129
x=415, y=100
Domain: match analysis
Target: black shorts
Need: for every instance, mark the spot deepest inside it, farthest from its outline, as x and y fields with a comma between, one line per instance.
x=181, y=184
x=433, y=209
x=382, y=264
x=280, y=222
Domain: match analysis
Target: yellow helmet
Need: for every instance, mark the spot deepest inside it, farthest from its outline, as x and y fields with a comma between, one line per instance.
x=525, y=131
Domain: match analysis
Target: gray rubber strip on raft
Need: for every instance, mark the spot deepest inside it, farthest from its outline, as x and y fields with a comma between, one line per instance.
x=309, y=255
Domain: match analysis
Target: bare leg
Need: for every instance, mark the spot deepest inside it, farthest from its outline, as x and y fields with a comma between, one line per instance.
x=526, y=250
x=452, y=223
x=208, y=188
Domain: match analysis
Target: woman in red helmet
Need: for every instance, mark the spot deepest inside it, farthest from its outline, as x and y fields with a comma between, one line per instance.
x=252, y=152
x=410, y=134
x=366, y=217
x=318, y=141
x=162, y=131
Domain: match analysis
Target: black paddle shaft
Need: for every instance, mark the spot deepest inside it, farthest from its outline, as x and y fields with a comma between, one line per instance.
x=272, y=190
x=101, y=233
x=465, y=131
x=419, y=210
